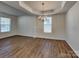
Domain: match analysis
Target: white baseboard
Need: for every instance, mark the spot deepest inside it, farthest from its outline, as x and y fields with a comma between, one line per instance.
x=76, y=52
x=5, y=36
x=56, y=38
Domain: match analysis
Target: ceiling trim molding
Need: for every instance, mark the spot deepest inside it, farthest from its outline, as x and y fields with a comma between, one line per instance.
x=26, y=7
x=28, y=10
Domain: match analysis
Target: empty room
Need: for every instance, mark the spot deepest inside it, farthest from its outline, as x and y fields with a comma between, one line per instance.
x=39, y=29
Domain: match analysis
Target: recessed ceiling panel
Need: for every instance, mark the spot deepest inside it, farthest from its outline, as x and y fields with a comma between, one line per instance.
x=48, y=5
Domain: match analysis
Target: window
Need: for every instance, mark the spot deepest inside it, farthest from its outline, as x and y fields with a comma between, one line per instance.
x=48, y=24
x=5, y=24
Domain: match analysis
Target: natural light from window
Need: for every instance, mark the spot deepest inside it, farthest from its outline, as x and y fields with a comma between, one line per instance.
x=48, y=24
x=5, y=24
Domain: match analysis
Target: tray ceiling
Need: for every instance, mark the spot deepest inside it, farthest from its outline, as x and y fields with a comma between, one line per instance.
x=35, y=7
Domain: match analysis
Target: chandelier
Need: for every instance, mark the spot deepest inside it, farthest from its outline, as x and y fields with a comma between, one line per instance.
x=41, y=17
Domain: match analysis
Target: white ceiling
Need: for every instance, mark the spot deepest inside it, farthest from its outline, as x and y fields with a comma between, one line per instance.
x=6, y=9
x=34, y=7
x=48, y=5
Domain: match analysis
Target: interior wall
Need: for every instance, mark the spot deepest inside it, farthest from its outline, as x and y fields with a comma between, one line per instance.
x=72, y=26
x=26, y=25
x=58, y=28
x=13, y=27
x=30, y=26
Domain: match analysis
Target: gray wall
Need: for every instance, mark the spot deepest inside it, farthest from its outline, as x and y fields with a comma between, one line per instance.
x=31, y=26
x=13, y=26
x=26, y=25
x=72, y=27
x=7, y=11
x=58, y=28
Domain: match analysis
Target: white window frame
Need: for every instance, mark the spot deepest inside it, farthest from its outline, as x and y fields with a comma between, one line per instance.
x=10, y=25
x=49, y=24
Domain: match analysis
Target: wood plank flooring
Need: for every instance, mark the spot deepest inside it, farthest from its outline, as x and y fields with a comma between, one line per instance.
x=28, y=47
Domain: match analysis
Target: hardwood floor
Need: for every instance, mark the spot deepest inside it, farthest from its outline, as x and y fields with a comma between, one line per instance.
x=27, y=47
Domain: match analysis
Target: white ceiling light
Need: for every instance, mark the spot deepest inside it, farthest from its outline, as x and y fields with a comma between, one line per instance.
x=41, y=17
